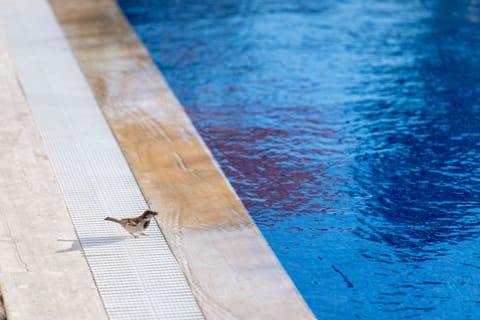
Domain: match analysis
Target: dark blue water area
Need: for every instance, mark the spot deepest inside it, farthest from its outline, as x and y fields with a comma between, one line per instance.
x=350, y=130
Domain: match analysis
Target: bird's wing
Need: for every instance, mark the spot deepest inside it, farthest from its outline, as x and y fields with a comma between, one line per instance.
x=132, y=222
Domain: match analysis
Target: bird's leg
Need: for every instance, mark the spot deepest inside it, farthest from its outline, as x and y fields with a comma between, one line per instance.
x=143, y=234
x=134, y=235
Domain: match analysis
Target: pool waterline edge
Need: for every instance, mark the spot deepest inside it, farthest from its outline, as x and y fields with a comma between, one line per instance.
x=231, y=269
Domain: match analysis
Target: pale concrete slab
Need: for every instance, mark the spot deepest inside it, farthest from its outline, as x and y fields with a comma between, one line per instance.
x=39, y=277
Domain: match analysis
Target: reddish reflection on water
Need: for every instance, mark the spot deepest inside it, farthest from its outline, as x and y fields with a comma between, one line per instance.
x=271, y=176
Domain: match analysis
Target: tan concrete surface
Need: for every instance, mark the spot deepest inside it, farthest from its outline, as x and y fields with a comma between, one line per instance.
x=231, y=269
x=37, y=279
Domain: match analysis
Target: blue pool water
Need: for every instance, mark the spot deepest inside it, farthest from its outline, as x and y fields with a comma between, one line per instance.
x=350, y=130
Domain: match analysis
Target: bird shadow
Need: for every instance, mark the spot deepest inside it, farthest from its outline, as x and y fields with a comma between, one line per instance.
x=89, y=242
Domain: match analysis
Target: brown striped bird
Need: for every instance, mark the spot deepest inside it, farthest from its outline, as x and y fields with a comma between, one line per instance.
x=135, y=225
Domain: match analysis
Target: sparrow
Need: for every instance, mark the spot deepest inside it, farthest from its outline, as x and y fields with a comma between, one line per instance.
x=135, y=225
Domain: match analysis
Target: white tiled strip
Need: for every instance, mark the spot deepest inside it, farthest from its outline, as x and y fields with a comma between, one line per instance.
x=137, y=278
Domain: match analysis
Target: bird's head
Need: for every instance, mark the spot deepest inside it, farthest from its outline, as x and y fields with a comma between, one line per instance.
x=149, y=214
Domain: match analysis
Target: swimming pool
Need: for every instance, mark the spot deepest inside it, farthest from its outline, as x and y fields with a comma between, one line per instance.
x=350, y=130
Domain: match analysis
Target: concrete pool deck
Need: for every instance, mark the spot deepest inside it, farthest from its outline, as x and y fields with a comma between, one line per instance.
x=229, y=267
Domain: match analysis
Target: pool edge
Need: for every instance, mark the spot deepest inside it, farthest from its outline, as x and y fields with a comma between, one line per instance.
x=206, y=225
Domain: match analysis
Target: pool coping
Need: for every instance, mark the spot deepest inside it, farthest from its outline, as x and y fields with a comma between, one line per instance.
x=230, y=267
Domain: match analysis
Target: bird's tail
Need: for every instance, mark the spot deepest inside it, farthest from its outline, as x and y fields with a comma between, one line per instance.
x=112, y=219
